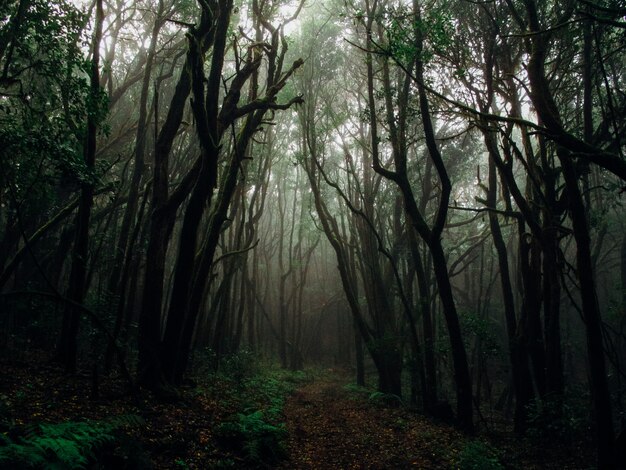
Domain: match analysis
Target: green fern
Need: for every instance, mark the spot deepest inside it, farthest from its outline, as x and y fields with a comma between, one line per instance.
x=69, y=445
x=262, y=442
x=387, y=399
x=478, y=455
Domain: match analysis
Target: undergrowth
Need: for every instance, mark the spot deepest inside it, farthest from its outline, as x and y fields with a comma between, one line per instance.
x=385, y=399
x=563, y=420
x=68, y=445
x=357, y=391
x=478, y=455
x=255, y=431
x=260, y=441
x=373, y=396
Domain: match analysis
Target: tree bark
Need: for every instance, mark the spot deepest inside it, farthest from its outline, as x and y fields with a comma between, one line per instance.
x=548, y=112
x=522, y=381
x=68, y=342
x=205, y=107
x=162, y=218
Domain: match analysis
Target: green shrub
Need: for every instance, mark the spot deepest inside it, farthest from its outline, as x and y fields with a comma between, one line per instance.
x=296, y=377
x=563, y=420
x=385, y=399
x=357, y=391
x=267, y=391
x=69, y=445
x=239, y=366
x=477, y=455
x=261, y=442
x=252, y=432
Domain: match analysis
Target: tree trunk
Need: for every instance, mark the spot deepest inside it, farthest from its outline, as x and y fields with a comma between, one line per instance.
x=359, y=356
x=522, y=381
x=162, y=222
x=459, y=358
x=430, y=368
x=593, y=321
x=205, y=111
x=122, y=251
x=67, y=348
x=548, y=112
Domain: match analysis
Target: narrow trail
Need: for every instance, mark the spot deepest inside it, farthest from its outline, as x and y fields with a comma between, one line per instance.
x=333, y=427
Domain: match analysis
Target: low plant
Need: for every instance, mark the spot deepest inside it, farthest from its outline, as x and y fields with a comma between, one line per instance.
x=261, y=441
x=478, y=455
x=239, y=366
x=180, y=463
x=69, y=445
x=358, y=391
x=385, y=399
x=254, y=431
x=559, y=419
x=268, y=389
x=296, y=377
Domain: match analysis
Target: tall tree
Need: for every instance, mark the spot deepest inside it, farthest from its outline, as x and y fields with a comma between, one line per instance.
x=430, y=235
x=548, y=112
x=78, y=276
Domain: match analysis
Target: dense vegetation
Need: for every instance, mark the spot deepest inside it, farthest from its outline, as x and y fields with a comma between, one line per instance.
x=426, y=193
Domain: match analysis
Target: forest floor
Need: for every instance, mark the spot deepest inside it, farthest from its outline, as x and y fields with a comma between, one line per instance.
x=268, y=419
x=332, y=425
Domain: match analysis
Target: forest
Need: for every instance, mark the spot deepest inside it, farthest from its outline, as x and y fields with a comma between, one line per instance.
x=313, y=234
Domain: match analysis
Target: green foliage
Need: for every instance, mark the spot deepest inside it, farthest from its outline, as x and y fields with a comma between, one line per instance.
x=267, y=393
x=268, y=389
x=373, y=396
x=253, y=394
x=481, y=327
x=357, y=391
x=180, y=463
x=562, y=420
x=69, y=445
x=435, y=27
x=239, y=366
x=477, y=455
x=387, y=345
x=295, y=377
x=386, y=399
x=46, y=99
x=261, y=441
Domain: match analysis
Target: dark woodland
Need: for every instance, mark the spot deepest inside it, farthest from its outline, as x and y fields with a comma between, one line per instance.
x=313, y=234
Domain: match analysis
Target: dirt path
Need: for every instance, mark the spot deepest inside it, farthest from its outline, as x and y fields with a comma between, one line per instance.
x=331, y=427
